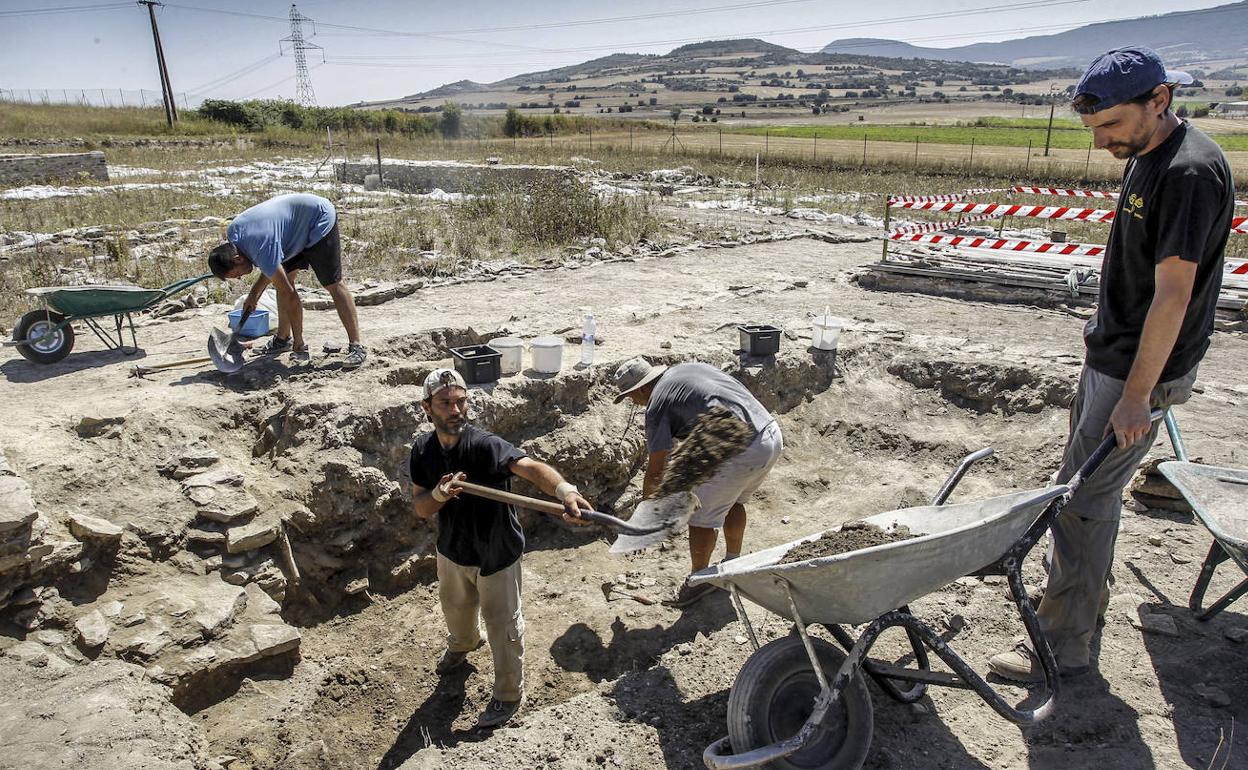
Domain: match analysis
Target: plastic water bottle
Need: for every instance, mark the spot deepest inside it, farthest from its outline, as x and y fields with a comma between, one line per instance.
x=588, y=329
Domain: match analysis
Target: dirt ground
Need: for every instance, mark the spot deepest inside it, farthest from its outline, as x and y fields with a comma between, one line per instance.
x=612, y=683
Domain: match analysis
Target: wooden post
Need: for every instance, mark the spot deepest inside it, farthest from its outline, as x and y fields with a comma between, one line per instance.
x=1088, y=162
x=766, y=143
x=864, y=149
x=815, y=154
x=971, y=162
x=888, y=211
x=1027, y=165
x=916, y=152
x=378, y=145
x=721, y=142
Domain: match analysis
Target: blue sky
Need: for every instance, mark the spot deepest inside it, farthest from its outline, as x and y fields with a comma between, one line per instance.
x=405, y=47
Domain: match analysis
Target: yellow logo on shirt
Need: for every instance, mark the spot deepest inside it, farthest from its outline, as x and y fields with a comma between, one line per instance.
x=1135, y=206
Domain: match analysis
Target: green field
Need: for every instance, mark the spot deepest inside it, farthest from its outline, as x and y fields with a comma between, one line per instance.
x=1001, y=132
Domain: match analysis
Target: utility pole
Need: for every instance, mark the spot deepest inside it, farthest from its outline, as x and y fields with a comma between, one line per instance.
x=1052, y=104
x=303, y=82
x=171, y=108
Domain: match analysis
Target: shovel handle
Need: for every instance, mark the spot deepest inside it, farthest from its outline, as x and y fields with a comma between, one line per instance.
x=551, y=507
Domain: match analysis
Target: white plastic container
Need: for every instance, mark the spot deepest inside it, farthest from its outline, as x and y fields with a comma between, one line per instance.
x=547, y=353
x=512, y=350
x=826, y=329
x=588, y=330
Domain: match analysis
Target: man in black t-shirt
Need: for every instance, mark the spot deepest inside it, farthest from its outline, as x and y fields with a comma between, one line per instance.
x=479, y=541
x=1159, y=289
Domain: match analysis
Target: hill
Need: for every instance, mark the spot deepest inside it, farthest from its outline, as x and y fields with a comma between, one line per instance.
x=1188, y=38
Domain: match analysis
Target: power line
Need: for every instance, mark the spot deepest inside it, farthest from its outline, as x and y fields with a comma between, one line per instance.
x=64, y=9
x=213, y=85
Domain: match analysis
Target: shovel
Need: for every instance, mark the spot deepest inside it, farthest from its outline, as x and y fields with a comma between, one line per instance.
x=225, y=350
x=650, y=528
x=659, y=519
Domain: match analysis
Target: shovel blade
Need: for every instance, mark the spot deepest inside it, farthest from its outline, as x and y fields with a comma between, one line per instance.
x=669, y=514
x=225, y=351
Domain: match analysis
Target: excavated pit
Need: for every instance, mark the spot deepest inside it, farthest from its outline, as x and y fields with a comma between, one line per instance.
x=334, y=669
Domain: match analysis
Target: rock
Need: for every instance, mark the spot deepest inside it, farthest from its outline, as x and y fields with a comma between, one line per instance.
x=205, y=536
x=86, y=527
x=49, y=637
x=216, y=610
x=59, y=555
x=249, y=537
x=1179, y=558
x=1160, y=624
x=1214, y=696
x=1236, y=634
x=94, y=426
x=29, y=652
x=274, y=639
x=189, y=462
x=92, y=629
x=226, y=505
x=1155, y=540
x=17, y=507
x=217, y=477
x=111, y=609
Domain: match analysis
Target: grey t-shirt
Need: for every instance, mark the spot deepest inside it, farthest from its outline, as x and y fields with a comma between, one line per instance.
x=684, y=392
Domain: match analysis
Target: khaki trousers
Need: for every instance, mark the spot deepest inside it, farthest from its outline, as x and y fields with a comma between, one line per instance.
x=1084, y=533
x=464, y=592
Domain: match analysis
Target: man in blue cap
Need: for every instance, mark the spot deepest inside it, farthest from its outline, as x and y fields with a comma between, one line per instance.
x=1159, y=288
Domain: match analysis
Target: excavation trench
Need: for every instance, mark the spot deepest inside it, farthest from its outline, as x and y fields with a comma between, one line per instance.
x=872, y=429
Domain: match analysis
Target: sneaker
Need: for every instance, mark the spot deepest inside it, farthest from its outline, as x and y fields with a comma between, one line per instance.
x=273, y=346
x=499, y=712
x=301, y=356
x=356, y=355
x=1021, y=665
x=689, y=594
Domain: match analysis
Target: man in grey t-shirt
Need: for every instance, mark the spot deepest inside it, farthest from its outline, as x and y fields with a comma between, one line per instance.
x=674, y=398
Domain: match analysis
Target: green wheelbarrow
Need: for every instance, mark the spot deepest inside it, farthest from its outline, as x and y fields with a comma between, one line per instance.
x=46, y=336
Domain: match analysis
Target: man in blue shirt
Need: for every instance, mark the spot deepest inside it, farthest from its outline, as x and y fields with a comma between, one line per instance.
x=281, y=236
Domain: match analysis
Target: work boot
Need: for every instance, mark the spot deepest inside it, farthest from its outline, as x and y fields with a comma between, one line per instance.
x=453, y=659
x=273, y=346
x=499, y=713
x=688, y=594
x=356, y=355
x=1021, y=665
x=301, y=356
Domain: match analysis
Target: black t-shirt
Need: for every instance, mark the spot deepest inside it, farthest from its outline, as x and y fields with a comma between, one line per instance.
x=1176, y=201
x=472, y=531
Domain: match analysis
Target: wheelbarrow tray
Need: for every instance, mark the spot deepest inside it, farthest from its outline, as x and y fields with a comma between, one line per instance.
x=88, y=301
x=1219, y=496
x=859, y=586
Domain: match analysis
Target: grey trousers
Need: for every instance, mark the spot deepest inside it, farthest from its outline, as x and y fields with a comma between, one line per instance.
x=1085, y=532
x=464, y=592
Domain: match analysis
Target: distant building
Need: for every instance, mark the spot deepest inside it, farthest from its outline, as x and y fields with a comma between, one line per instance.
x=1233, y=109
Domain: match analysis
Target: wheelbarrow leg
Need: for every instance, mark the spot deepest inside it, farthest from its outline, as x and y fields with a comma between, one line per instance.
x=1216, y=556
x=886, y=683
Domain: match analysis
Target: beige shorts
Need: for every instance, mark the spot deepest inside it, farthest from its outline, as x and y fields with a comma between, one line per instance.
x=738, y=478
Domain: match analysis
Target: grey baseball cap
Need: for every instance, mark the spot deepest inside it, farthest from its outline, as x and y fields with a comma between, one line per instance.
x=440, y=379
x=633, y=374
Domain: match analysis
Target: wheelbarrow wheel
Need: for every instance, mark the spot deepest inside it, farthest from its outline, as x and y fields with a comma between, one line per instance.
x=774, y=694
x=50, y=348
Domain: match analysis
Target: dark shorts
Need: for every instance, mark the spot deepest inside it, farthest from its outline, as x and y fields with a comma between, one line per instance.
x=324, y=257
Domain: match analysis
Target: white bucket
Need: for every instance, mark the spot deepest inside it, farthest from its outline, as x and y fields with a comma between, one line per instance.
x=547, y=354
x=826, y=330
x=512, y=350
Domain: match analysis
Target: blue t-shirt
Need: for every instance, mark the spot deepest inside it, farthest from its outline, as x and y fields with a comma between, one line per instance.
x=272, y=232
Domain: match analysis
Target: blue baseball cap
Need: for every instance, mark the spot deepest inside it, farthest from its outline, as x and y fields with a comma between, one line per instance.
x=1122, y=74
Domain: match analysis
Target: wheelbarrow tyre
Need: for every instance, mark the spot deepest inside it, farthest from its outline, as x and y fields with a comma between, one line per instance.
x=774, y=694
x=51, y=349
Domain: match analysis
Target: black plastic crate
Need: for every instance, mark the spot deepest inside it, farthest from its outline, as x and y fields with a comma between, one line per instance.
x=760, y=339
x=477, y=364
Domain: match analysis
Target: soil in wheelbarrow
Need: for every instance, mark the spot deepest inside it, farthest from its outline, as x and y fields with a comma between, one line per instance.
x=852, y=536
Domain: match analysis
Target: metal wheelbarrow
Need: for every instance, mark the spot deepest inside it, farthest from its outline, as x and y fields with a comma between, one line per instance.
x=46, y=336
x=799, y=701
x=1220, y=498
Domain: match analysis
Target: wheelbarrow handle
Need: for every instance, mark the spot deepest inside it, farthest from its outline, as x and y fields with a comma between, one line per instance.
x=1100, y=454
x=553, y=508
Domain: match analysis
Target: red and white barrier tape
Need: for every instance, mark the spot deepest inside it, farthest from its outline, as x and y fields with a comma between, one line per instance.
x=951, y=197
x=935, y=227
x=1064, y=192
x=1239, y=225
x=1004, y=244
x=1010, y=210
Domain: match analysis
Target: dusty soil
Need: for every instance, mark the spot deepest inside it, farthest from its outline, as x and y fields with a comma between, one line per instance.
x=918, y=382
x=852, y=536
x=716, y=437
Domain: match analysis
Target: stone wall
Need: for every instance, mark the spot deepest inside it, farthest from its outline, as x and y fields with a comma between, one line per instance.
x=451, y=177
x=32, y=169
